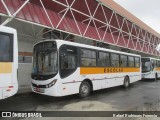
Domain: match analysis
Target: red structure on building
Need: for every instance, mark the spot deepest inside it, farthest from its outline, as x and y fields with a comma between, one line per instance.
x=100, y=20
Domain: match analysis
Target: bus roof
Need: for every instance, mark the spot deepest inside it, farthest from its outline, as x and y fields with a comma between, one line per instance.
x=61, y=42
x=7, y=29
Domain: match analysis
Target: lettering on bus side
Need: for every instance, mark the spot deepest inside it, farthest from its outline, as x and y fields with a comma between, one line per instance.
x=114, y=70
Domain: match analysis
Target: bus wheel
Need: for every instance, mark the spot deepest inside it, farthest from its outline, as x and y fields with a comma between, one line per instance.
x=156, y=77
x=84, y=90
x=126, y=82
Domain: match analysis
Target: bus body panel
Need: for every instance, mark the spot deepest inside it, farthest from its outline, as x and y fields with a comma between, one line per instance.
x=8, y=70
x=151, y=75
x=10, y=90
x=99, y=81
x=148, y=75
x=100, y=77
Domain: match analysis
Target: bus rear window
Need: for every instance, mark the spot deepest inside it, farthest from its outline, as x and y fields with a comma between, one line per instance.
x=6, y=47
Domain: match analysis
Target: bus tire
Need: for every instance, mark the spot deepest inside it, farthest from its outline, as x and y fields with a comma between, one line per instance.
x=84, y=89
x=126, y=82
x=156, y=77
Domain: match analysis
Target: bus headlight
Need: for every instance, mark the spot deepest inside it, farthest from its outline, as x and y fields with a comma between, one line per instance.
x=51, y=83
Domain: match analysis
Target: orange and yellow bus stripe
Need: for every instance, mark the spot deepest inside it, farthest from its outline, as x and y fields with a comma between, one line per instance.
x=5, y=67
x=101, y=70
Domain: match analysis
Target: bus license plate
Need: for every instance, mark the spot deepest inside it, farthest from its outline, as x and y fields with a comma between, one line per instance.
x=39, y=90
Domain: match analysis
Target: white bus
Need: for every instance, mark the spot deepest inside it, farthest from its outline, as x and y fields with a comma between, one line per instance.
x=8, y=62
x=63, y=68
x=150, y=68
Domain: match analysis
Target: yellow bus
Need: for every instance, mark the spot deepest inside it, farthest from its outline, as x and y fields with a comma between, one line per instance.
x=8, y=62
x=63, y=68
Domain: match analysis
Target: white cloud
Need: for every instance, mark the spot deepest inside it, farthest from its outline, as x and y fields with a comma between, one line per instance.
x=146, y=10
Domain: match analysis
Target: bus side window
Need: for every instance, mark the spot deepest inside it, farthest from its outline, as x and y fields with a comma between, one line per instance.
x=114, y=60
x=103, y=59
x=137, y=62
x=153, y=64
x=68, y=60
x=123, y=60
x=88, y=58
x=131, y=61
x=64, y=61
x=158, y=64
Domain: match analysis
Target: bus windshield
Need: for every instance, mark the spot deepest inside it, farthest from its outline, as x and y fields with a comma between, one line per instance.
x=45, y=63
x=146, y=65
x=6, y=50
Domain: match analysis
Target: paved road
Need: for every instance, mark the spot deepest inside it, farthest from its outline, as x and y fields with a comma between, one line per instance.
x=142, y=95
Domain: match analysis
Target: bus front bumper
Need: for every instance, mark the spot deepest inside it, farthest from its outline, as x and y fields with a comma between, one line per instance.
x=52, y=91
